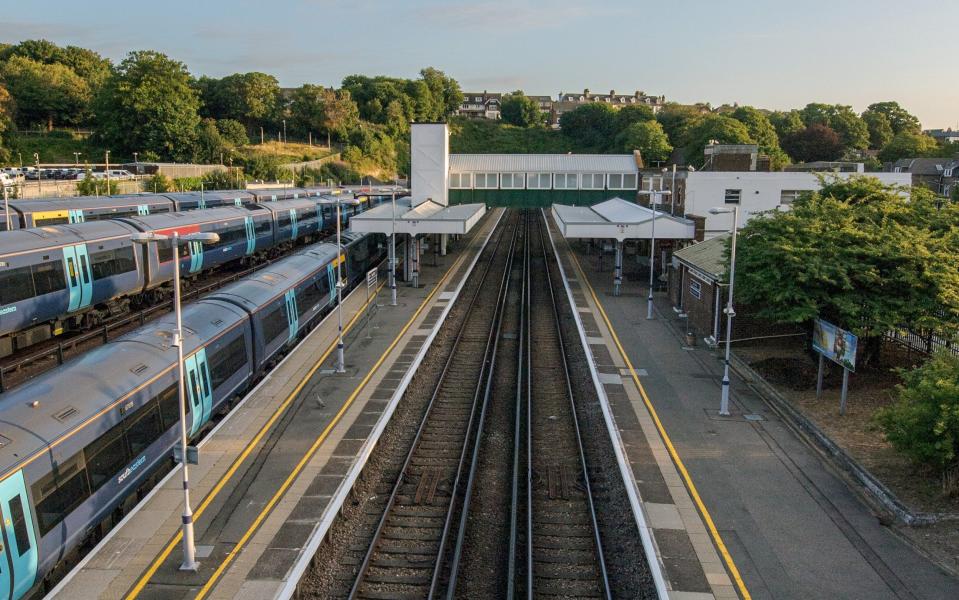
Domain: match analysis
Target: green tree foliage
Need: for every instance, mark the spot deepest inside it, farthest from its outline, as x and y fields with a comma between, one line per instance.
x=908, y=144
x=371, y=149
x=158, y=183
x=6, y=121
x=816, y=142
x=48, y=94
x=590, y=126
x=899, y=118
x=786, y=123
x=880, y=129
x=250, y=98
x=850, y=128
x=432, y=98
x=649, y=138
x=722, y=129
x=675, y=119
x=445, y=90
x=520, y=110
x=320, y=109
x=336, y=172
x=220, y=179
x=93, y=68
x=210, y=145
x=760, y=129
x=233, y=132
x=633, y=113
x=92, y=186
x=149, y=105
x=478, y=136
x=924, y=423
x=857, y=254
x=265, y=167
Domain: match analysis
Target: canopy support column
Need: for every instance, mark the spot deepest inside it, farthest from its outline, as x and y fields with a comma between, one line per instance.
x=618, y=270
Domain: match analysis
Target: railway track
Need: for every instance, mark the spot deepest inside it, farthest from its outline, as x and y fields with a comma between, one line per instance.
x=492, y=496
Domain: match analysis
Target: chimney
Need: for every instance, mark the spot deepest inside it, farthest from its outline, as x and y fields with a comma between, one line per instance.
x=638, y=158
x=637, y=94
x=586, y=92
x=612, y=93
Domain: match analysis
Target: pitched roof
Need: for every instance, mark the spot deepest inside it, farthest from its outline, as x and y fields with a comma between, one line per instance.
x=708, y=257
x=922, y=166
x=545, y=163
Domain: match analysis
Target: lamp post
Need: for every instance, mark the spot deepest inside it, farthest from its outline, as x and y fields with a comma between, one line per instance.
x=340, y=361
x=106, y=170
x=284, y=131
x=36, y=161
x=730, y=313
x=393, y=255
x=6, y=206
x=136, y=162
x=654, y=196
x=76, y=158
x=189, y=551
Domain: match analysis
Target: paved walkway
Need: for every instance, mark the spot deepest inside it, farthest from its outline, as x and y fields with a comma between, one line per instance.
x=793, y=528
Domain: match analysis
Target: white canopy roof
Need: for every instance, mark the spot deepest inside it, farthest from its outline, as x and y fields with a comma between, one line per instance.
x=546, y=163
x=620, y=220
x=426, y=217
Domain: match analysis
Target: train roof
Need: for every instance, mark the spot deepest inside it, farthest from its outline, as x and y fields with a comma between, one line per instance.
x=218, y=194
x=282, y=205
x=81, y=389
x=38, y=238
x=86, y=202
x=257, y=290
x=192, y=217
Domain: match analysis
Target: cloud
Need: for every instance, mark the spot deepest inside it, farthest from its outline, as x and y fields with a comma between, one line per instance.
x=509, y=16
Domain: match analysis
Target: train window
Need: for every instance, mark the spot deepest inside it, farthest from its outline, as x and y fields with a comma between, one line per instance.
x=264, y=227
x=169, y=402
x=274, y=322
x=112, y=262
x=308, y=297
x=19, y=525
x=283, y=220
x=227, y=361
x=48, y=277
x=85, y=269
x=143, y=428
x=105, y=456
x=51, y=221
x=164, y=251
x=57, y=503
x=15, y=285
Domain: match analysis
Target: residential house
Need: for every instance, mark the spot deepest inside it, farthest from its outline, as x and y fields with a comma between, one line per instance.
x=944, y=136
x=566, y=102
x=477, y=105
x=927, y=172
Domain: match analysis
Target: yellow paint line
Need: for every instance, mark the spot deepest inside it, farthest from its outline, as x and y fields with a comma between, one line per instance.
x=159, y=560
x=727, y=557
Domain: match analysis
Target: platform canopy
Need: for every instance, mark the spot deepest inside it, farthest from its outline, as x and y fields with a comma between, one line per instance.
x=620, y=220
x=425, y=218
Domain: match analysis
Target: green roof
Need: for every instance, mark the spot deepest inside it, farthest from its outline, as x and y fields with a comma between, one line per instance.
x=708, y=257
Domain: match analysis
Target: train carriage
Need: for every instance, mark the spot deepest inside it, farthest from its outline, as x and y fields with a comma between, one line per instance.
x=37, y=213
x=213, y=199
x=293, y=219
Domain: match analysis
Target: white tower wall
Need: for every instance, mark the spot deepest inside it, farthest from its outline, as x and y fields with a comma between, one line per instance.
x=430, y=163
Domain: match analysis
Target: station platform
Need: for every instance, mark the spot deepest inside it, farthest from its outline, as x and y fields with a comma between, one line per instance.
x=741, y=505
x=273, y=472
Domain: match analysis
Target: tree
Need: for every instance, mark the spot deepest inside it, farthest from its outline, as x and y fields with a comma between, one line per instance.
x=316, y=108
x=855, y=254
x=87, y=64
x=851, y=129
x=6, y=120
x=707, y=128
x=675, y=119
x=445, y=91
x=924, y=423
x=649, y=138
x=760, y=129
x=633, y=113
x=250, y=98
x=880, y=129
x=46, y=93
x=92, y=186
x=149, y=105
x=899, y=118
x=786, y=123
x=908, y=144
x=158, y=184
x=209, y=144
x=520, y=110
x=590, y=126
x=816, y=142
x=233, y=132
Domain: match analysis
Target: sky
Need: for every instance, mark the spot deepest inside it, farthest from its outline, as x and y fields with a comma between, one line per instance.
x=770, y=54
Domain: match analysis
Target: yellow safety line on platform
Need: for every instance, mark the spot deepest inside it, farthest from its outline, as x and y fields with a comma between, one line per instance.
x=155, y=565
x=669, y=443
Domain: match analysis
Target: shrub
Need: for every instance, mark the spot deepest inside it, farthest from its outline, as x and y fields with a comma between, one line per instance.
x=90, y=186
x=219, y=180
x=924, y=423
x=158, y=184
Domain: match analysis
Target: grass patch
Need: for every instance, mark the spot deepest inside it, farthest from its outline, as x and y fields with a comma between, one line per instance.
x=58, y=147
x=287, y=151
x=491, y=137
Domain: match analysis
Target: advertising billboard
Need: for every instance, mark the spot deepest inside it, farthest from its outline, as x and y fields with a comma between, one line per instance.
x=838, y=345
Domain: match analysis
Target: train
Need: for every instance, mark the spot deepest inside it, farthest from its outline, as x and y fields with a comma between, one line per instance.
x=84, y=440
x=57, y=278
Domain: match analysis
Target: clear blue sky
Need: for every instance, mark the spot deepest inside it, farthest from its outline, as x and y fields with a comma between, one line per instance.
x=772, y=53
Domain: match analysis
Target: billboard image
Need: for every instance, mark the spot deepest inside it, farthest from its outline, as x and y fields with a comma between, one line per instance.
x=838, y=345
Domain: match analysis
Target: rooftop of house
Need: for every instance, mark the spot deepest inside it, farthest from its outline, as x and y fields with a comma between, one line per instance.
x=708, y=257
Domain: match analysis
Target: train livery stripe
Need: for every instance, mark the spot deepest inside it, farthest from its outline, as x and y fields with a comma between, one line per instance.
x=19, y=551
x=50, y=215
x=294, y=226
x=250, y=234
x=292, y=316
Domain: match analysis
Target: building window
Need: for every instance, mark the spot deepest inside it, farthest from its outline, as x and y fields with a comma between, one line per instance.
x=593, y=181
x=789, y=196
x=564, y=181
x=622, y=181
x=696, y=290
x=733, y=196
x=538, y=181
x=485, y=181
x=512, y=181
x=461, y=181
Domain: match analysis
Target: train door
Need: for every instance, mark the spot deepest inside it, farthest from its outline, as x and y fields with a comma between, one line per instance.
x=250, y=233
x=294, y=225
x=143, y=210
x=292, y=316
x=196, y=256
x=76, y=265
x=331, y=281
x=76, y=215
x=238, y=202
x=199, y=390
x=18, y=554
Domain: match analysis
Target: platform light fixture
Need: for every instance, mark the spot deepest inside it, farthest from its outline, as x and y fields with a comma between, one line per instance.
x=730, y=313
x=189, y=550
